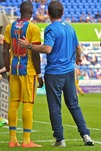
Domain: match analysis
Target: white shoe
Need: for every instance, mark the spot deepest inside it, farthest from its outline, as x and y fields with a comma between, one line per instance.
x=87, y=140
x=59, y=144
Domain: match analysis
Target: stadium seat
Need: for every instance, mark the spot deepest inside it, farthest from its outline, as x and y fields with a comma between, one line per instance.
x=15, y=4
x=86, y=6
x=80, y=6
x=75, y=6
x=3, y=4
x=7, y=0
x=98, y=6
x=9, y=4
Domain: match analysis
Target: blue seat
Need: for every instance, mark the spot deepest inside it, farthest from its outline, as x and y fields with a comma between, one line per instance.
x=78, y=1
x=86, y=6
x=17, y=13
x=72, y=1
x=78, y=13
x=68, y=15
x=81, y=6
x=9, y=4
x=3, y=4
x=89, y=1
x=14, y=1
x=98, y=6
x=7, y=0
x=15, y=4
x=75, y=6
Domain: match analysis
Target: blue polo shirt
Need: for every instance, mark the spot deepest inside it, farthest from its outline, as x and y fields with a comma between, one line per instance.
x=63, y=40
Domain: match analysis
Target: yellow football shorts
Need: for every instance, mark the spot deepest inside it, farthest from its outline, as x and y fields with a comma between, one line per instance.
x=23, y=88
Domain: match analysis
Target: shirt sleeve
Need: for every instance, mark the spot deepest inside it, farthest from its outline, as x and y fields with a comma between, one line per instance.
x=76, y=39
x=34, y=35
x=7, y=36
x=49, y=37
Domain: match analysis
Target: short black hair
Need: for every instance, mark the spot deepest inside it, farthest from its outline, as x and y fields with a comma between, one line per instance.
x=55, y=9
x=26, y=7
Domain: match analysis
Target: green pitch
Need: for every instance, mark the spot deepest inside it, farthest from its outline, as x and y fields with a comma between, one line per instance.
x=42, y=133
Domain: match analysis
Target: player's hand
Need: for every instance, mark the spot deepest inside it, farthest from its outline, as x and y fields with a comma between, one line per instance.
x=40, y=81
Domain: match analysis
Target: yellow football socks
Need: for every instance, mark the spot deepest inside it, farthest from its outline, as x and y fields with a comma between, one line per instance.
x=12, y=118
x=27, y=117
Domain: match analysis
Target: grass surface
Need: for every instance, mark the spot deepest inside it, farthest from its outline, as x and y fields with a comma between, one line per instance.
x=42, y=133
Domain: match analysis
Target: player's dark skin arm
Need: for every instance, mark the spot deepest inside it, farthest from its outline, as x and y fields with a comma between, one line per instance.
x=36, y=63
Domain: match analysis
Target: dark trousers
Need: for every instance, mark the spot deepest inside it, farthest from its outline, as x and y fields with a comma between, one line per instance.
x=55, y=86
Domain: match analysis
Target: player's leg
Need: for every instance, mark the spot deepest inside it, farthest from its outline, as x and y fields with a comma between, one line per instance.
x=78, y=88
x=27, y=117
x=12, y=118
x=29, y=84
x=13, y=109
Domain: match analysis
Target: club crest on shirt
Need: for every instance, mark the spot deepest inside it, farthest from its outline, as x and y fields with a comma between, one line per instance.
x=18, y=31
x=19, y=24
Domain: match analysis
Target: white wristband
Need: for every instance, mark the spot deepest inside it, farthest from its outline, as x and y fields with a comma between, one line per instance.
x=39, y=75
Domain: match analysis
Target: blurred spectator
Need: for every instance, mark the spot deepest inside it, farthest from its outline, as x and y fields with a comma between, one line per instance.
x=98, y=15
x=85, y=62
x=87, y=19
x=89, y=15
x=98, y=73
x=42, y=13
x=82, y=18
x=99, y=20
x=73, y=20
x=93, y=20
x=91, y=74
x=67, y=20
x=85, y=75
x=94, y=60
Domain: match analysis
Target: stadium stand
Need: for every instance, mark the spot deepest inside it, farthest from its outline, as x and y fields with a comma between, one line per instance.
x=72, y=8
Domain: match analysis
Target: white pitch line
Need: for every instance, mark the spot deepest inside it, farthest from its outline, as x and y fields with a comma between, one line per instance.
x=97, y=129
x=48, y=123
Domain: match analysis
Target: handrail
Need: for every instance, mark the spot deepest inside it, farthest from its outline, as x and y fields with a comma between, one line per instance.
x=9, y=12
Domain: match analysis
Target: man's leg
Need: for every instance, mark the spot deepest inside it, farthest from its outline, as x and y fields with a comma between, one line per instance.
x=71, y=101
x=54, y=85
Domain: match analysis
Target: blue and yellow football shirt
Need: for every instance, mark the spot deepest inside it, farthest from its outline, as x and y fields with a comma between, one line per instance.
x=21, y=60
